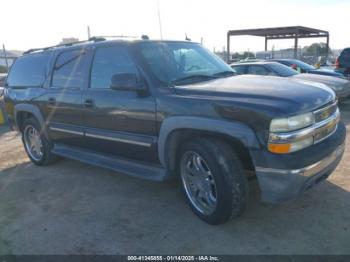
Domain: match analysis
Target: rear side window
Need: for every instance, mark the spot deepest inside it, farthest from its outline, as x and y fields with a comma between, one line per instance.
x=28, y=71
x=68, y=71
x=108, y=61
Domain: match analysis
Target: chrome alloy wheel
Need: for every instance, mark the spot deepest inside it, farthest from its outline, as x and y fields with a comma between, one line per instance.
x=33, y=143
x=198, y=182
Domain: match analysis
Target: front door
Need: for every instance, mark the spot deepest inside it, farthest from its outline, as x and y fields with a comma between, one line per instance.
x=118, y=122
x=63, y=110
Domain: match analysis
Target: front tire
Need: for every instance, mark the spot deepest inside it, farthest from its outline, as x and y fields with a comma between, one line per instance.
x=213, y=180
x=37, y=146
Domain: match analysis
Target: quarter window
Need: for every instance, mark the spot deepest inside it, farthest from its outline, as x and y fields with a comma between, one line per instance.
x=28, y=70
x=108, y=61
x=69, y=69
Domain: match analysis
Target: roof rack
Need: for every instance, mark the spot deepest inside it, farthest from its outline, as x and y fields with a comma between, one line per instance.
x=91, y=39
x=116, y=36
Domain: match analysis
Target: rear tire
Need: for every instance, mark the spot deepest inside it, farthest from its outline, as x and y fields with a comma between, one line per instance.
x=37, y=146
x=223, y=194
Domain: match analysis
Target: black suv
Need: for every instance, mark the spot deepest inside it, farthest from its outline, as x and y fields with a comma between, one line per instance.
x=171, y=109
x=342, y=63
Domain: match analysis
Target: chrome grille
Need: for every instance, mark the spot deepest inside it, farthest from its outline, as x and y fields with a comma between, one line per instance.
x=324, y=113
x=326, y=130
x=327, y=118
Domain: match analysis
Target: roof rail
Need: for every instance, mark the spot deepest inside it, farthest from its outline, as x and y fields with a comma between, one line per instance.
x=116, y=36
x=91, y=39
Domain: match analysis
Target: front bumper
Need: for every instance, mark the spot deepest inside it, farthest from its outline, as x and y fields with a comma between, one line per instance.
x=282, y=178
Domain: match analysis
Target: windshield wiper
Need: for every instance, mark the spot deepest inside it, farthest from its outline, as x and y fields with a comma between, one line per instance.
x=225, y=73
x=194, y=78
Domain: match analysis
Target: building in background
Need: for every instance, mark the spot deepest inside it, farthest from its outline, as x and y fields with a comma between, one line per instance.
x=68, y=40
x=11, y=55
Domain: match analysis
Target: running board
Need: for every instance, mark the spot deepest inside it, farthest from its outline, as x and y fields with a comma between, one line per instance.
x=133, y=168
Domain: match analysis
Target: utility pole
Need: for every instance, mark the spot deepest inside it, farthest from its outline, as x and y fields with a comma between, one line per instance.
x=88, y=32
x=159, y=22
x=4, y=50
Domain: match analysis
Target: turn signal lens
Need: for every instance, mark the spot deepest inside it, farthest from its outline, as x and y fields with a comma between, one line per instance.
x=279, y=148
x=292, y=147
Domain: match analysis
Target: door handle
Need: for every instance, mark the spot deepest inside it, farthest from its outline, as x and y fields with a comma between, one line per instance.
x=52, y=100
x=88, y=103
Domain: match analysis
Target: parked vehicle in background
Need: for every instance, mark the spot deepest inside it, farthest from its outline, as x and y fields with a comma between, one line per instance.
x=2, y=83
x=342, y=63
x=171, y=109
x=340, y=86
x=302, y=67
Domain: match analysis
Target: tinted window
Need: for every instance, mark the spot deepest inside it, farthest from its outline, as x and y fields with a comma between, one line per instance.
x=109, y=61
x=302, y=65
x=282, y=70
x=240, y=69
x=69, y=69
x=28, y=70
x=259, y=70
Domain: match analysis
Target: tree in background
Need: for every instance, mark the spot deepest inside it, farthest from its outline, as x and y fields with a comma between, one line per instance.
x=317, y=49
x=242, y=56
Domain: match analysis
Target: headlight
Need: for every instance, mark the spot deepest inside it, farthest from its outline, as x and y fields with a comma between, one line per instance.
x=292, y=123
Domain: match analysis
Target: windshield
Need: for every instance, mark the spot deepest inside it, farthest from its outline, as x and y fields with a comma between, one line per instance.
x=282, y=70
x=303, y=65
x=182, y=63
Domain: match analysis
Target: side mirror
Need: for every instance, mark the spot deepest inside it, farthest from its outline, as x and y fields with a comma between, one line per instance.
x=125, y=81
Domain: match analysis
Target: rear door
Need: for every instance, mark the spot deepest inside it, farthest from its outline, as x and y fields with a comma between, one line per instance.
x=63, y=109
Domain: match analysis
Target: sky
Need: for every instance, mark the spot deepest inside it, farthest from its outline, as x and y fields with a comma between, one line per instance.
x=27, y=24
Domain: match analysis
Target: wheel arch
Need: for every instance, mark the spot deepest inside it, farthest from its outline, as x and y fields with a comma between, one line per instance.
x=24, y=111
x=176, y=130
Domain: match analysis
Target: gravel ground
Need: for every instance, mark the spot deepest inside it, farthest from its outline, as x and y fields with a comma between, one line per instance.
x=73, y=208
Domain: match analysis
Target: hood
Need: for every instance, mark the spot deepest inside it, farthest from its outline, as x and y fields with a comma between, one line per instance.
x=276, y=95
x=327, y=80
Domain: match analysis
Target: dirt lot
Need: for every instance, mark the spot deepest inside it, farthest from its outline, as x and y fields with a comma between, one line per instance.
x=73, y=208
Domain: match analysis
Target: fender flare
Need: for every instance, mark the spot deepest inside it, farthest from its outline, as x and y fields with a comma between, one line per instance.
x=233, y=129
x=33, y=110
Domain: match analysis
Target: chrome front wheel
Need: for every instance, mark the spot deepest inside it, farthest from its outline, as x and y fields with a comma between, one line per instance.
x=198, y=182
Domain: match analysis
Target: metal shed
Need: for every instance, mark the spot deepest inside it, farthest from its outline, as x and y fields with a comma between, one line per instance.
x=290, y=32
